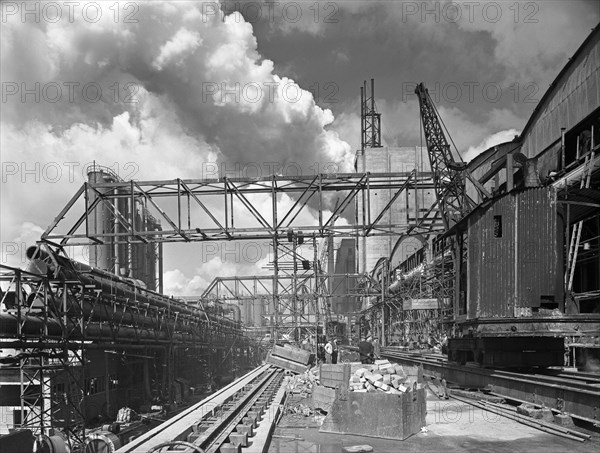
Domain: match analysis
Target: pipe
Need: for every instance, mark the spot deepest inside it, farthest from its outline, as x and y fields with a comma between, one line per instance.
x=112, y=285
x=33, y=326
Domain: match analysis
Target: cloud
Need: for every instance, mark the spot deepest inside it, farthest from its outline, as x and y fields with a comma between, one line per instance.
x=153, y=99
x=533, y=38
x=183, y=43
x=488, y=142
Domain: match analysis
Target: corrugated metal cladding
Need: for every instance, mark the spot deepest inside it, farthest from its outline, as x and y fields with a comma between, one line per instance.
x=514, y=254
x=570, y=99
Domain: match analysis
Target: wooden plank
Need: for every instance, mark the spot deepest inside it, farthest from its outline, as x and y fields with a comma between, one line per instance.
x=291, y=353
x=285, y=364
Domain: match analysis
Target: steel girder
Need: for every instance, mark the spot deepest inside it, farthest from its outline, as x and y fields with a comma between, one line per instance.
x=186, y=208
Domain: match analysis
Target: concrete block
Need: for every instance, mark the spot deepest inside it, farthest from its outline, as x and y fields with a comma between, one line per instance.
x=375, y=377
x=533, y=412
x=258, y=407
x=547, y=414
x=230, y=448
x=250, y=421
x=387, y=379
x=256, y=415
x=564, y=420
x=381, y=386
x=239, y=439
x=360, y=372
x=245, y=429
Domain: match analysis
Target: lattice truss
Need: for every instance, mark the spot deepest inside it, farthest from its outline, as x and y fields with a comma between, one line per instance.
x=50, y=319
x=186, y=208
x=433, y=280
x=37, y=323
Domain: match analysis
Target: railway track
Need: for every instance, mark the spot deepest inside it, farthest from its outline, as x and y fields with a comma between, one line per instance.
x=241, y=414
x=577, y=394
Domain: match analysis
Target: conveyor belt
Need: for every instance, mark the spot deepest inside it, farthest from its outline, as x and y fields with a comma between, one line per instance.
x=241, y=413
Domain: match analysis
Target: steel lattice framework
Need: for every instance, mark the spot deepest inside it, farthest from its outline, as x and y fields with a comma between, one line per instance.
x=229, y=209
x=53, y=317
x=448, y=178
x=186, y=208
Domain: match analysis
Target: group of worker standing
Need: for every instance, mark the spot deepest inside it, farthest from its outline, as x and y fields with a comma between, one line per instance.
x=331, y=351
x=368, y=349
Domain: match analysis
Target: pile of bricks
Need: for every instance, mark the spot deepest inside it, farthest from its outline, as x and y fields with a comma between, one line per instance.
x=383, y=376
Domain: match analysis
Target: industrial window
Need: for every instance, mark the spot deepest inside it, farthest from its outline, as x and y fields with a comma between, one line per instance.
x=94, y=385
x=497, y=226
x=113, y=381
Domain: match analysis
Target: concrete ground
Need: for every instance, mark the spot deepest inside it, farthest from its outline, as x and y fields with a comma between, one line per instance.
x=451, y=426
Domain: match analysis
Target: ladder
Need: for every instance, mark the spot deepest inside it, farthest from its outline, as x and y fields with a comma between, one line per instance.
x=576, y=236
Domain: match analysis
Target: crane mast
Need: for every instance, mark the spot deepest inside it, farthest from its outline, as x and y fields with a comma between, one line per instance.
x=448, y=175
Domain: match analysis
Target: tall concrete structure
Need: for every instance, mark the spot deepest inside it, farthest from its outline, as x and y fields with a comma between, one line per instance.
x=345, y=263
x=414, y=203
x=142, y=262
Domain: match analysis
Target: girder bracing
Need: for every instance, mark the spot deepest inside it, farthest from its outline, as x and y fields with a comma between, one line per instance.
x=187, y=208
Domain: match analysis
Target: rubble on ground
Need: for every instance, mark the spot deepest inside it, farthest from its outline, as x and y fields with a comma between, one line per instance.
x=382, y=376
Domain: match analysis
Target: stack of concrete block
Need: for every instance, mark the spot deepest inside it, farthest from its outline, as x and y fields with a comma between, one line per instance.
x=383, y=376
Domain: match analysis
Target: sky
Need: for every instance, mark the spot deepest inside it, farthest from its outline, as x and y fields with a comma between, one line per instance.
x=160, y=90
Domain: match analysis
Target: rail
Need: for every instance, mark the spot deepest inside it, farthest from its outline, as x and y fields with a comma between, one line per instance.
x=563, y=392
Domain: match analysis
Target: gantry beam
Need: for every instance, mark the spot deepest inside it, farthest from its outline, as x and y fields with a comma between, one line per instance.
x=255, y=287
x=235, y=208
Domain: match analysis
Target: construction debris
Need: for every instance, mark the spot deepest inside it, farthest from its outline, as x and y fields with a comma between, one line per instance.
x=386, y=377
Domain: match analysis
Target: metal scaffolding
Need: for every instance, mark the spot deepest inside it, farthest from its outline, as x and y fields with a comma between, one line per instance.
x=55, y=313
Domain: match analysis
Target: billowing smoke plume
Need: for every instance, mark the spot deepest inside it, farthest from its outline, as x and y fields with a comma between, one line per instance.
x=154, y=90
